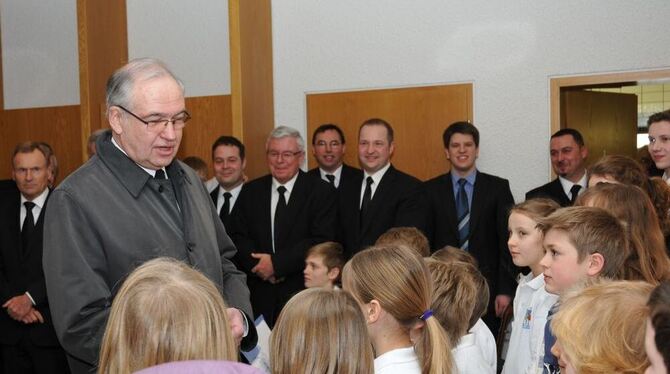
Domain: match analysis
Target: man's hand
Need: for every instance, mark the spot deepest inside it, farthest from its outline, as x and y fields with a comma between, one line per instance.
x=264, y=268
x=18, y=306
x=32, y=316
x=501, y=303
x=236, y=322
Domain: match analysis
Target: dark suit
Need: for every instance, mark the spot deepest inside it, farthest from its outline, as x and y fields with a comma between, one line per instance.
x=347, y=176
x=491, y=201
x=399, y=201
x=552, y=190
x=21, y=272
x=310, y=219
x=215, y=197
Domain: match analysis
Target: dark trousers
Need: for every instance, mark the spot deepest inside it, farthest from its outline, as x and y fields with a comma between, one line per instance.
x=26, y=357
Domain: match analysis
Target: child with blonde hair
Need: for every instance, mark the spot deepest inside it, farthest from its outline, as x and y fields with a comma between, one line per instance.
x=532, y=302
x=321, y=331
x=460, y=298
x=393, y=287
x=600, y=329
x=165, y=311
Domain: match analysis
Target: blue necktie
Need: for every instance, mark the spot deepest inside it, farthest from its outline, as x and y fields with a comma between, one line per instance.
x=550, y=364
x=463, y=214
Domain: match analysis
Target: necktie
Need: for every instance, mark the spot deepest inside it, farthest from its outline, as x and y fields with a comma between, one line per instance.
x=367, y=196
x=550, y=363
x=280, y=210
x=225, y=209
x=574, y=192
x=28, y=225
x=160, y=174
x=463, y=214
x=331, y=179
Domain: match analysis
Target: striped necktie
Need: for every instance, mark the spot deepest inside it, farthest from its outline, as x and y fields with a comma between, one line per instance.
x=463, y=214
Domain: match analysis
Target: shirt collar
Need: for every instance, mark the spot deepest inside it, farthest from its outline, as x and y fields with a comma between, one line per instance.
x=234, y=191
x=289, y=184
x=336, y=173
x=470, y=178
x=534, y=283
x=39, y=200
x=150, y=171
x=567, y=184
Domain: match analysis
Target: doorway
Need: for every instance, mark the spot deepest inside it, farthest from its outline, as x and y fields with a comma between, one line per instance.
x=610, y=110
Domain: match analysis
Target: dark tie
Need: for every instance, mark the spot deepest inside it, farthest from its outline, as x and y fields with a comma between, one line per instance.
x=225, y=209
x=550, y=364
x=574, y=192
x=331, y=179
x=160, y=174
x=28, y=225
x=463, y=214
x=367, y=196
x=280, y=211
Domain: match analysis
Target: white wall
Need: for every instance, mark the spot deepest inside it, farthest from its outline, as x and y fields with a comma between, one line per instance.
x=509, y=50
x=191, y=37
x=40, y=57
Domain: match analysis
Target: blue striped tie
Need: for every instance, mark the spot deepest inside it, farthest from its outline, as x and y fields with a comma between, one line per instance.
x=463, y=213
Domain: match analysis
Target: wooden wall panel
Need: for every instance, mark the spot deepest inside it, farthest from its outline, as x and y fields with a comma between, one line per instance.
x=251, y=77
x=418, y=115
x=212, y=118
x=58, y=126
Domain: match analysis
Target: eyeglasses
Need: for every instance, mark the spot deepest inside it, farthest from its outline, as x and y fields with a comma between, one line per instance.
x=288, y=156
x=178, y=121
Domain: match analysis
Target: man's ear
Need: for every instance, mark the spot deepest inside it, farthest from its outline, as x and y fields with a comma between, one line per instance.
x=596, y=264
x=114, y=115
x=333, y=273
x=373, y=311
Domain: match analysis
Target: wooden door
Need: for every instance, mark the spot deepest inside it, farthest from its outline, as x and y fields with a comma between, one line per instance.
x=607, y=121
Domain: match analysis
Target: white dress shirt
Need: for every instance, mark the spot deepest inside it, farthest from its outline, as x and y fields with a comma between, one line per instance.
x=376, y=178
x=567, y=185
x=234, y=193
x=337, y=173
x=39, y=202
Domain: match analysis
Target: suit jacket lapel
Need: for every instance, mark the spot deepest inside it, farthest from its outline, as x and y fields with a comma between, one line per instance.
x=215, y=195
x=449, y=205
x=557, y=188
x=478, y=197
x=14, y=227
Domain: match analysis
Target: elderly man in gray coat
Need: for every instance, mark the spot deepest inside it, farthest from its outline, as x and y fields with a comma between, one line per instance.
x=131, y=203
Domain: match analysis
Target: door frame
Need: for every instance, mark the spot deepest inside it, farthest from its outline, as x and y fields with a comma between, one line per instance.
x=556, y=83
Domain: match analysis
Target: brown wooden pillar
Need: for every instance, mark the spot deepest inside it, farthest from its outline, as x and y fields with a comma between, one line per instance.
x=103, y=48
x=251, y=78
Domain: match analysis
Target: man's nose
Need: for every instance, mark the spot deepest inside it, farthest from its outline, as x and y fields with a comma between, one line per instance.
x=169, y=131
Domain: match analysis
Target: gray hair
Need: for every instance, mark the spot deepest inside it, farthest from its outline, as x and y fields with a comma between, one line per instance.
x=284, y=131
x=122, y=81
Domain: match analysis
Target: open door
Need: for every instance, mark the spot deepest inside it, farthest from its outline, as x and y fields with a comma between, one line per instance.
x=608, y=121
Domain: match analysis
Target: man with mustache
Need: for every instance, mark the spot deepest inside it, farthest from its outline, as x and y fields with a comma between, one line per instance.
x=568, y=153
